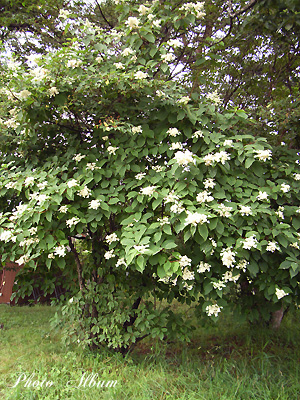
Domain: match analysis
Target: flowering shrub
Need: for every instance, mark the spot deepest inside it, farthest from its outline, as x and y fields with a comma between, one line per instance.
x=167, y=198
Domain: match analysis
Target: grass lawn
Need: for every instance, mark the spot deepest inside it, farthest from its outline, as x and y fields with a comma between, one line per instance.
x=228, y=360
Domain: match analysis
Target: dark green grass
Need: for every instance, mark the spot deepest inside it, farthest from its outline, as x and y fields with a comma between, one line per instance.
x=228, y=360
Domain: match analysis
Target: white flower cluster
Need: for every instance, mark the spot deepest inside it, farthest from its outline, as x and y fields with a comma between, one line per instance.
x=140, y=176
x=74, y=63
x=214, y=97
x=242, y=265
x=111, y=238
x=209, y=183
x=184, y=158
x=148, y=190
x=137, y=129
x=285, y=187
x=221, y=156
x=250, y=242
x=197, y=8
x=184, y=261
x=176, y=146
x=141, y=75
x=141, y=248
x=177, y=208
x=171, y=197
x=272, y=246
x=112, y=150
x=245, y=210
x=213, y=309
x=163, y=221
x=94, y=204
x=72, y=182
x=85, y=192
x=279, y=212
x=173, y=132
x=280, y=293
x=263, y=155
x=203, y=267
x=174, y=43
x=197, y=135
x=109, y=254
x=224, y=211
x=72, y=221
x=204, y=197
x=168, y=57
x=195, y=218
x=262, y=196
x=60, y=251
x=184, y=100
x=228, y=257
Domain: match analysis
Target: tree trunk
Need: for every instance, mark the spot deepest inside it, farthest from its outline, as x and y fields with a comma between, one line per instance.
x=277, y=318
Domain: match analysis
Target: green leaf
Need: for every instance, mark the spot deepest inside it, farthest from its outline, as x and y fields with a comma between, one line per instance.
x=203, y=231
x=161, y=271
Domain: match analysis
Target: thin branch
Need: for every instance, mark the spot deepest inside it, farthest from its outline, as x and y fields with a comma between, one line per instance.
x=78, y=264
x=103, y=16
x=244, y=9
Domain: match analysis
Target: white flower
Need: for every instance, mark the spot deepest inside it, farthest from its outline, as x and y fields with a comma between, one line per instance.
x=142, y=248
x=22, y=260
x=297, y=177
x=5, y=236
x=228, y=142
x=109, y=254
x=184, y=100
x=177, y=208
x=250, y=242
x=285, y=188
x=140, y=176
x=188, y=275
x=279, y=212
x=263, y=155
x=78, y=157
x=242, y=265
x=198, y=134
x=60, y=251
x=112, y=150
x=51, y=256
x=184, y=261
x=280, y=293
x=218, y=285
x=158, y=168
x=24, y=94
x=160, y=93
x=204, y=197
x=53, y=91
x=174, y=43
x=140, y=75
x=222, y=157
x=171, y=197
x=214, y=97
x=11, y=185
x=133, y=22
x=29, y=181
x=42, y=185
x=105, y=137
x=99, y=59
x=143, y=10
x=137, y=129
x=63, y=14
x=176, y=146
x=229, y=277
x=85, y=192
x=91, y=166
x=173, y=132
x=148, y=191
x=72, y=221
x=262, y=196
x=209, y=183
x=111, y=238
x=168, y=57
x=213, y=309
x=272, y=246
x=157, y=23
x=245, y=210
x=196, y=218
x=203, y=267
x=228, y=257
x=224, y=211
x=42, y=198
x=63, y=209
x=163, y=221
x=119, y=65
x=74, y=63
x=121, y=261
x=184, y=157
x=127, y=52
x=33, y=230
x=71, y=183
x=94, y=204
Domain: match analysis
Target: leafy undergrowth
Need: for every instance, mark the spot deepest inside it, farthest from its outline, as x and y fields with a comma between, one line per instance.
x=227, y=360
